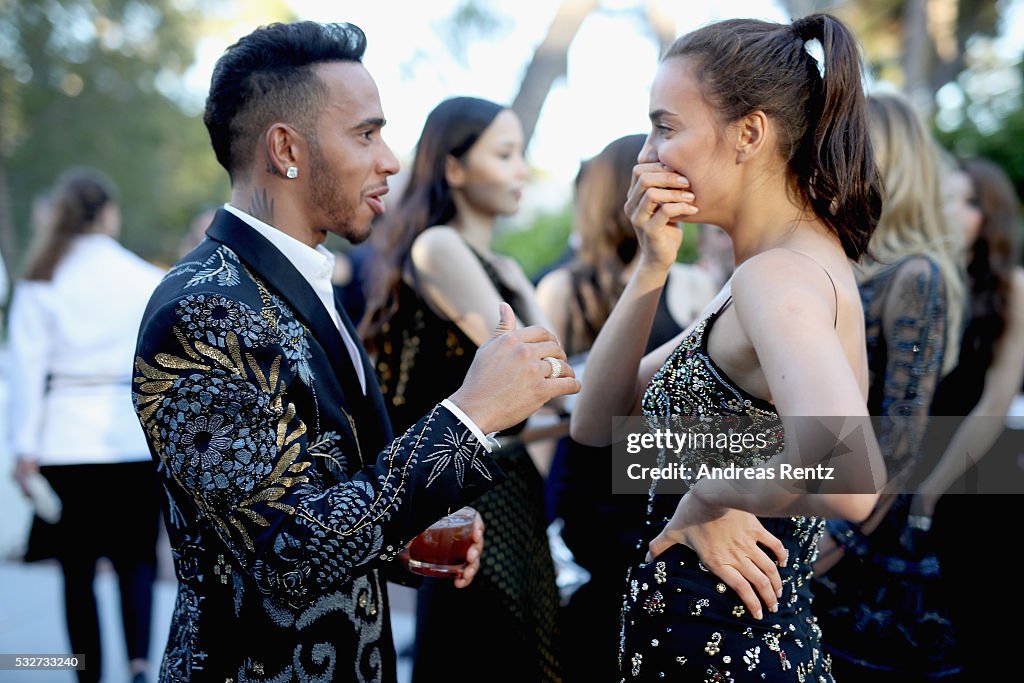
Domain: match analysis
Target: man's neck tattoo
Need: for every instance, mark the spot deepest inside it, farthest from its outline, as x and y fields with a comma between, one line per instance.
x=262, y=206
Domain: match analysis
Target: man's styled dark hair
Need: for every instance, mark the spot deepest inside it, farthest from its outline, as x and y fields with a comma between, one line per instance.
x=268, y=76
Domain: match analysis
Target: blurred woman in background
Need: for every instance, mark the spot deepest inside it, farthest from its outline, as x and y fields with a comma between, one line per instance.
x=879, y=604
x=982, y=203
x=435, y=300
x=74, y=321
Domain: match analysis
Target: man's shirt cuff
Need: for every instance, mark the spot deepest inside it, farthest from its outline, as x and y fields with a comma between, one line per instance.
x=487, y=440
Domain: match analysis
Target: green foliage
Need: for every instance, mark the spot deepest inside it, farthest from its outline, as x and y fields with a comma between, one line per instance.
x=540, y=244
x=1003, y=146
x=691, y=238
x=79, y=88
x=546, y=239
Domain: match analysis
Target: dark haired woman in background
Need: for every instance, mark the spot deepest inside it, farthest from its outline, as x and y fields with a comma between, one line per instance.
x=74, y=321
x=435, y=301
x=982, y=203
x=578, y=297
x=601, y=528
x=752, y=133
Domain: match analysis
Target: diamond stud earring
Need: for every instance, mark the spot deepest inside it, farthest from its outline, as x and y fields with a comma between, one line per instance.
x=292, y=172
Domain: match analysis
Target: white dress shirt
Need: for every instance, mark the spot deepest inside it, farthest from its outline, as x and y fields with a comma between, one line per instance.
x=316, y=265
x=72, y=351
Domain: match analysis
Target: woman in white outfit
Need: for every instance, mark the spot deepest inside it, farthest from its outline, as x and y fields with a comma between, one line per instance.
x=73, y=323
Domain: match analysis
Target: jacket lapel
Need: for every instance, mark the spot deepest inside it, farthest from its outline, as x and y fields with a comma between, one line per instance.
x=279, y=273
x=374, y=399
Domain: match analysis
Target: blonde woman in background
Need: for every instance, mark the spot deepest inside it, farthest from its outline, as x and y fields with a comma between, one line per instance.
x=879, y=603
x=74, y=320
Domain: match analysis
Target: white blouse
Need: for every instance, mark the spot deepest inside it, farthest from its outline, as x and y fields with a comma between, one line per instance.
x=71, y=355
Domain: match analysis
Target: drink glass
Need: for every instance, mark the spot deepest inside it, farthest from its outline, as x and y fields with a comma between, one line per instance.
x=440, y=551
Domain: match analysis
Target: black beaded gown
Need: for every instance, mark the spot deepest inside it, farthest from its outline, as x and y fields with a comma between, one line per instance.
x=680, y=622
x=506, y=620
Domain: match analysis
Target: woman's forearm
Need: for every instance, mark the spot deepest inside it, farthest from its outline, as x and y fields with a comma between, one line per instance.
x=836, y=476
x=972, y=441
x=610, y=384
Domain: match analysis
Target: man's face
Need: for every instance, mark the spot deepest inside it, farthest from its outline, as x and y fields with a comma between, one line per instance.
x=349, y=161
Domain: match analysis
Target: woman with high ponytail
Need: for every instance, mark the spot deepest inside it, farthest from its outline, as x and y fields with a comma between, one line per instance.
x=759, y=128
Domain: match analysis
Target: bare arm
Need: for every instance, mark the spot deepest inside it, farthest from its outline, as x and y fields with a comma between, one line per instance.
x=553, y=293
x=790, y=324
x=615, y=375
x=975, y=436
x=452, y=281
x=511, y=275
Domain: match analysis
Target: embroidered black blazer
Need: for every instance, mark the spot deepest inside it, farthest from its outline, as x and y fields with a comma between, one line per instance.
x=285, y=493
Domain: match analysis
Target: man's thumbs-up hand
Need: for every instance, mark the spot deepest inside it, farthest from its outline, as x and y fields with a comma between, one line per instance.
x=514, y=374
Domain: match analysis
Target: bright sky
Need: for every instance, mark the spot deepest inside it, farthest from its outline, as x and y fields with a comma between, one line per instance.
x=611, y=63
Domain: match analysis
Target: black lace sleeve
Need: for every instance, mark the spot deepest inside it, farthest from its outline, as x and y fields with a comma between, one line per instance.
x=905, y=313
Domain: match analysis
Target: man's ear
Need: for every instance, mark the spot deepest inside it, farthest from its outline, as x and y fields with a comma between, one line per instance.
x=286, y=148
x=454, y=172
x=751, y=136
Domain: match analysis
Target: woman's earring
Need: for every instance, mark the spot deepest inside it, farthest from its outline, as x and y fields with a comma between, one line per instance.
x=292, y=172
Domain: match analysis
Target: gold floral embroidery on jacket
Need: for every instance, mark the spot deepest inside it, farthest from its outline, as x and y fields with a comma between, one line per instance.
x=198, y=412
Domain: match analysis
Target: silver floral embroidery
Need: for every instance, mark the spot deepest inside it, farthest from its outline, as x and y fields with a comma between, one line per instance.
x=456, y=450
x=637, y=660
x=752, y=657
x=220, y=266
x=714, y=645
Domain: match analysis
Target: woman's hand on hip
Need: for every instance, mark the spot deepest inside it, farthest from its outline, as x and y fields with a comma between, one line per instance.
x=729, y=543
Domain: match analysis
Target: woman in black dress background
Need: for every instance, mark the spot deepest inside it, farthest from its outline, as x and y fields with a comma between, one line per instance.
x=982, y=202
x=435, y=301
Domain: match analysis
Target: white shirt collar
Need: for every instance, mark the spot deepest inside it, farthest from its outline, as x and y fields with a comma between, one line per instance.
x=314, y=264
x=316, y=267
